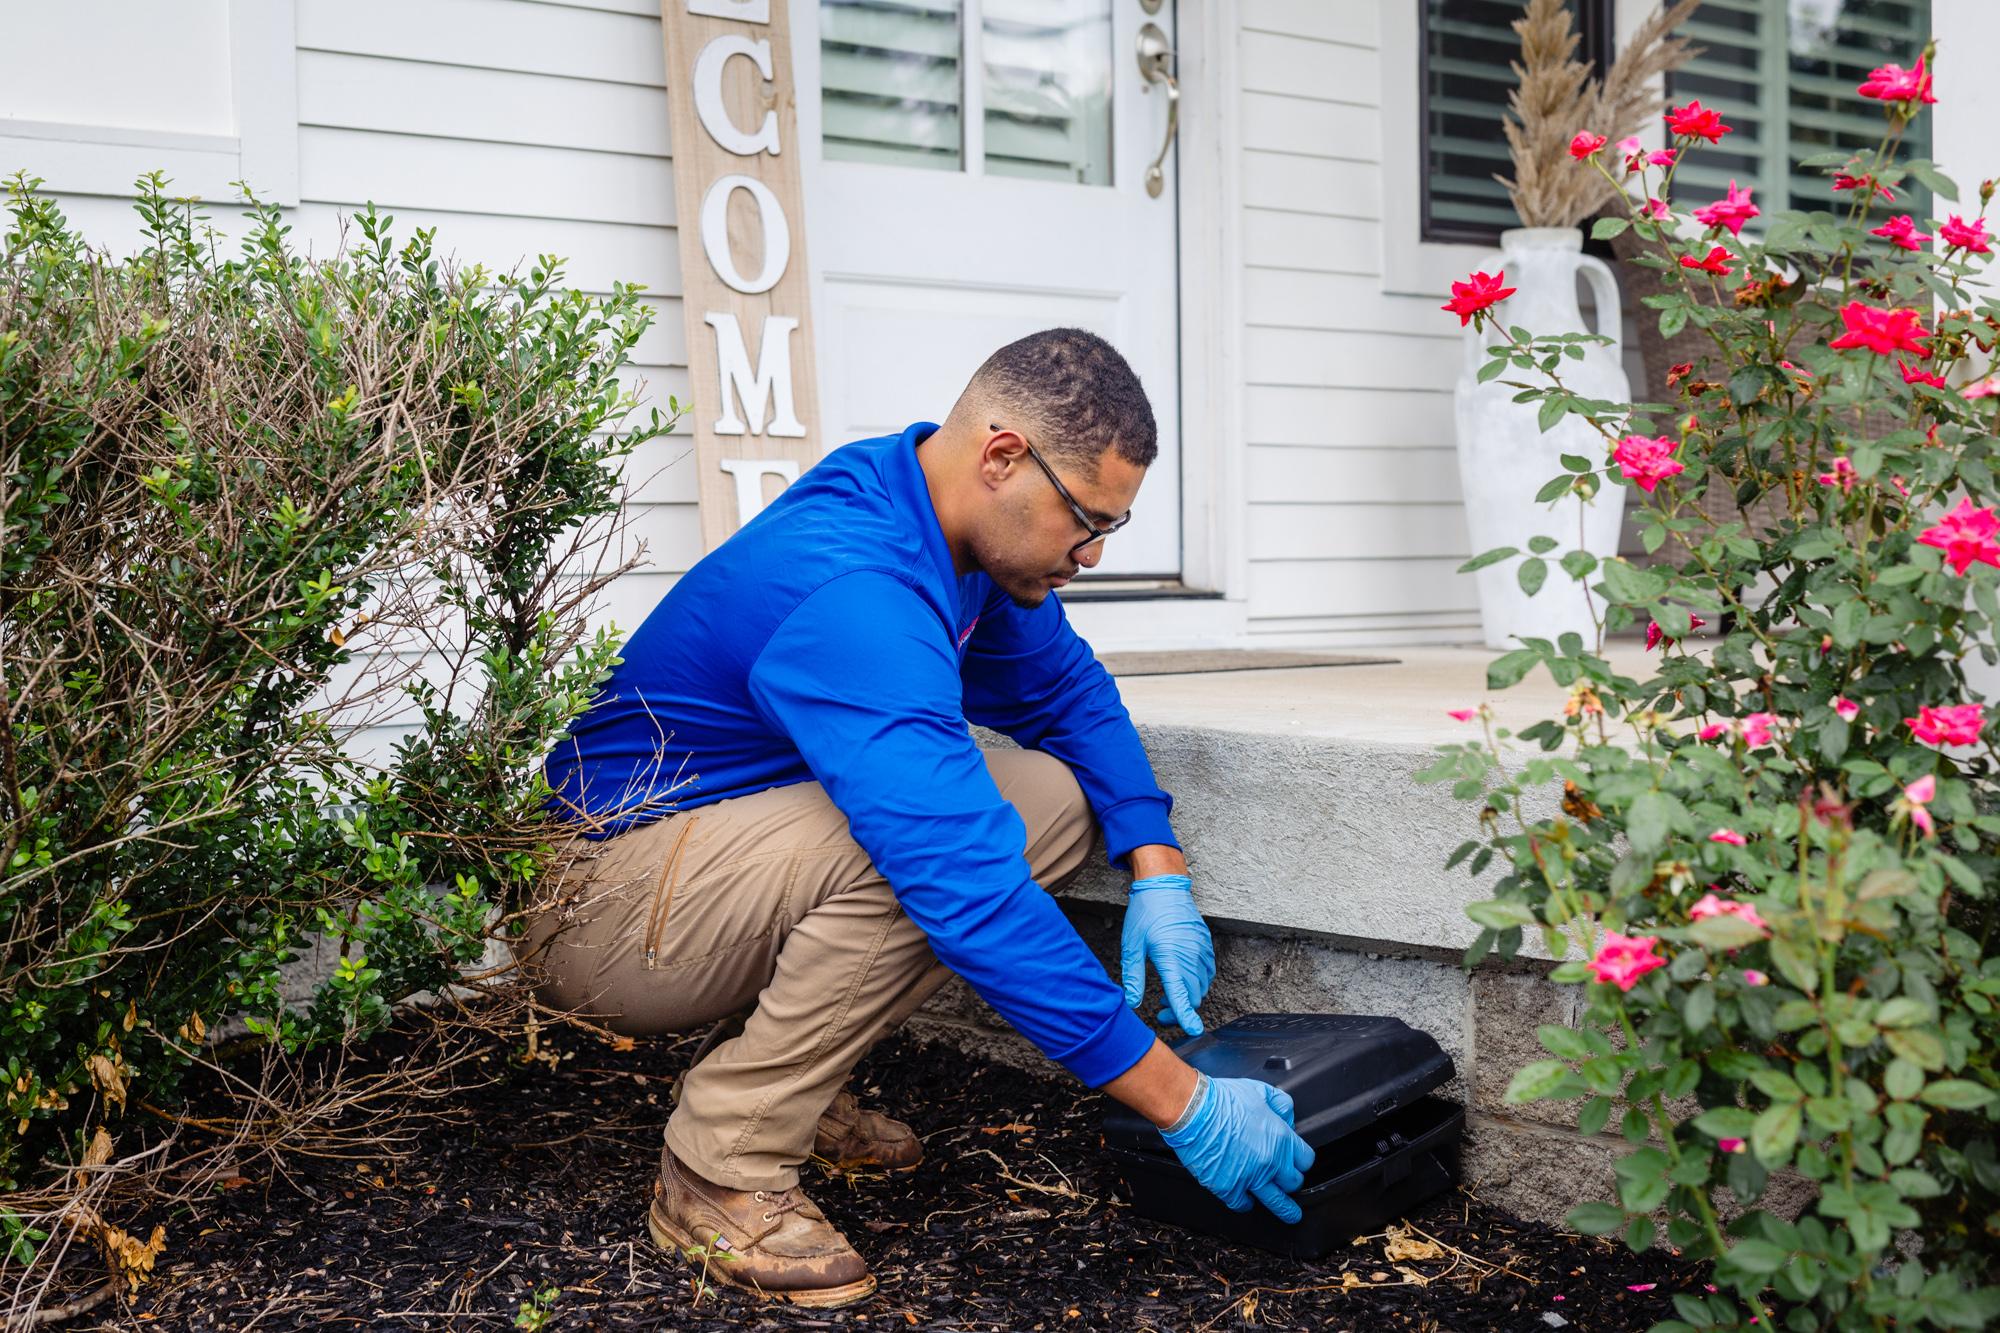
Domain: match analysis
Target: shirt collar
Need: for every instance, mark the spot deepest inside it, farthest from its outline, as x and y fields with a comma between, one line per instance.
x=913, y=494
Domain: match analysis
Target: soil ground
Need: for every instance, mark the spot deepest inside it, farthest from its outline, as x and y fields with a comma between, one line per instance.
x=1013, y=1222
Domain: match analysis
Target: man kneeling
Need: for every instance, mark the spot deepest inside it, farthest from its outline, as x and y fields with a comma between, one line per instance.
x=792, y=819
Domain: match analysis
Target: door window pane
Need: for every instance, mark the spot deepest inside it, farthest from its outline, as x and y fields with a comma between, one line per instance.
x=1047, y=70
x=890, y=82
x=1783, y=74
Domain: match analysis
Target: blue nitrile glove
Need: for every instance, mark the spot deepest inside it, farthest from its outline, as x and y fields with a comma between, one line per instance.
x=1236, y=1136
x=1163, y=924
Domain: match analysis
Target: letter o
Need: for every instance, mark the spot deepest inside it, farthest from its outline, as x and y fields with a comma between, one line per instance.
x=715, y=234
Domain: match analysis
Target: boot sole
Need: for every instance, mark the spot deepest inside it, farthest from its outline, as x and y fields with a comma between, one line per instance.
x=675, y=1241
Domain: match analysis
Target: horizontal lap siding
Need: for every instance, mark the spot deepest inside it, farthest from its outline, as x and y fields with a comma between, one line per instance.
x=516, y=128
x=1355, y=524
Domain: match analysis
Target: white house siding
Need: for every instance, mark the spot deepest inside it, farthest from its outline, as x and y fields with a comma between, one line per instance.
x=515, y=128
x=1355, y=526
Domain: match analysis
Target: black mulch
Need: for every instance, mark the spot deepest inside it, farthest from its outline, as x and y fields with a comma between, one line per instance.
x=1012, y=1223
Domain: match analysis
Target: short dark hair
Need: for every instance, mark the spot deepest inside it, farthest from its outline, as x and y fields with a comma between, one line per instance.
x=1079, y=395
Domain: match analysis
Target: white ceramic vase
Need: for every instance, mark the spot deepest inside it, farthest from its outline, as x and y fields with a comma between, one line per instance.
x=1503, y=455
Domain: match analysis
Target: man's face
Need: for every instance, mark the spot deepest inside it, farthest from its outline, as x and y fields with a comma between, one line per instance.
x=1028, y=549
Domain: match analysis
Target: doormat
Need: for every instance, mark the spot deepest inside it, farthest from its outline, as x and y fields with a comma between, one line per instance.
x=1195, y=661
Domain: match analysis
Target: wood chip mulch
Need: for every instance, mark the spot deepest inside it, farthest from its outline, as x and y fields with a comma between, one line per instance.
x=1013, y=1222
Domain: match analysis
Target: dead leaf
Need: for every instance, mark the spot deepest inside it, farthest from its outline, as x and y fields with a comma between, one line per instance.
x=1399, y=1245
x=624, y=1044
x=99, y=1151
x=1015, y=1127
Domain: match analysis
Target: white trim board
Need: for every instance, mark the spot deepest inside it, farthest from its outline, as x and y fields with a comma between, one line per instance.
x=264, y=151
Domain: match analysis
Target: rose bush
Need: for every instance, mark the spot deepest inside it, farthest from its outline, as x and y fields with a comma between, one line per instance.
x=1771, y=860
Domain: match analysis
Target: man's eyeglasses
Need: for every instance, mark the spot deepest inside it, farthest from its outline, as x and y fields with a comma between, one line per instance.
x=1097, y=534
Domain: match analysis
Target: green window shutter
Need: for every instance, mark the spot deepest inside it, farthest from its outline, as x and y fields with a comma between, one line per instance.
x=1469, y=47
x=890, y=81
x=1783, y=74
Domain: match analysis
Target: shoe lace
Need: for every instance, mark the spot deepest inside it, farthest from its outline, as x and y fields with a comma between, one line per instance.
x=781, y=1203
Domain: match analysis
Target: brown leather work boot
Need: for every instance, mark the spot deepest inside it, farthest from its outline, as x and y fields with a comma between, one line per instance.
x=774, y=1243
x=849, y=1138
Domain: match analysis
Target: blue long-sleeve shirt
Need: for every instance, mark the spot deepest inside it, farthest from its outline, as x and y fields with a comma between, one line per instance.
x=831, y=640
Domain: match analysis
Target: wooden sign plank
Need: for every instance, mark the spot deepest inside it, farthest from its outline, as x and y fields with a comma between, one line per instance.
x=740, y=210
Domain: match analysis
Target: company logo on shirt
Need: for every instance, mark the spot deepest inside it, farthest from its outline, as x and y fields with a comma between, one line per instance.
x=966, y=633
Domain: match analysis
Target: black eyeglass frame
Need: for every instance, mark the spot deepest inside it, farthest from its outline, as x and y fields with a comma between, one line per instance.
x=1097, y=534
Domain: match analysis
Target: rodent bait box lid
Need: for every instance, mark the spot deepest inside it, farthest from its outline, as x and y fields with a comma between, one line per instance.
x=1343, y=1071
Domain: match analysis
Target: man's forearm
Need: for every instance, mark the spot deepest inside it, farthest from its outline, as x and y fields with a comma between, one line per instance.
x=1158, y=1087
x=1158, y=858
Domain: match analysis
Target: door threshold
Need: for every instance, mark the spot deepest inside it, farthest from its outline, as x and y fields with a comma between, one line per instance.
x=1136, y=590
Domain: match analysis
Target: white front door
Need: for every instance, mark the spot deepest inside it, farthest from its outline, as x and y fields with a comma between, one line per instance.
x=975, y=171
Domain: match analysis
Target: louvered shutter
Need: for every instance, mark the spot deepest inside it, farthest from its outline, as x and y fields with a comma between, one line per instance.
x=1048, y=100
x=1468, y=49
x=890, y=81
x=1783, y=74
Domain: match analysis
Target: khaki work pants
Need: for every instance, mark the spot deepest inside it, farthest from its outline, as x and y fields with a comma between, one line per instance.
x=766, y=900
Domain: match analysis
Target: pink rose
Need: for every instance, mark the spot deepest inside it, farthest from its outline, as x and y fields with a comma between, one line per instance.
x=1912, y=375
x=1475, y=294
x=1965, y=535
x=1882, y=331
x=1646, y=461
x=1715, y=261
x=1713, y=730
x=1730, y=836
x=1969, y=236
x=1462, y=714
x=1752, y=977
x=1893, y=83
x=1730, y=1145
x=1731, y=211
x=1622, y=959
x=1901, y=232
x=1986, y=388
x=1847, y=708
x=1710, y=905
x=1696, y=121
x=1950, y=724
x=1757, y=729
x=1840, y=473
x=1585, y=144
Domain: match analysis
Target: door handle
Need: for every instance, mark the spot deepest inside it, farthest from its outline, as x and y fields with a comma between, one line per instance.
x=1156, y=57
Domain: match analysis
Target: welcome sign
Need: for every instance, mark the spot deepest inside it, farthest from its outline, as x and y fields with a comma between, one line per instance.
x=745, y=284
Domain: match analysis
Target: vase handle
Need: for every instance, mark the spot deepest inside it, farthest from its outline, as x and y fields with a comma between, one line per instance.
x=1604, y=295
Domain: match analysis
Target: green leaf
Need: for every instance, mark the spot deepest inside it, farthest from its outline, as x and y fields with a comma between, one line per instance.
x=1595, y=1219
x=1902, y=1012
x=1556, y=488
x=1485, y=558
x=1553, y=410
x=1920, y=1046
x=1590, y=1120
x=1541, y=545
x=1650, y=820
x=1795, y=965
x=1499, y=914
x=1776, y=1132
x=1507, y=669
x=1957, y=1094
x=1724, y=932
x=1492, y=370
x=1564, y=1042
x=1902, y=1079
x=1758, y=1256
x=1639, y=1234
x=1932, y=179
x=1725, y=1122
x=1606, y=228
x=1531, y=575
x=1540, y=1080
x=1579, y=564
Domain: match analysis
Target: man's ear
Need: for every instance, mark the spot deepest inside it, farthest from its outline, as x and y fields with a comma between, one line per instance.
x=1000, y=453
